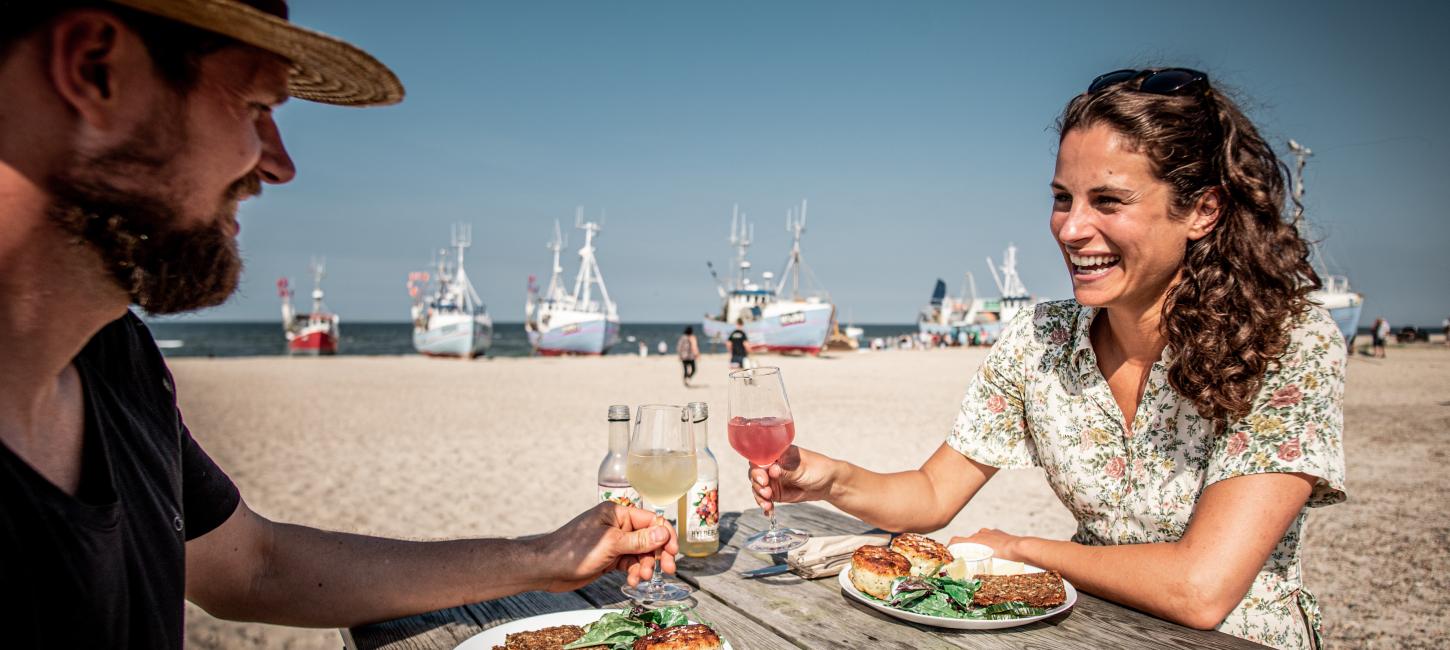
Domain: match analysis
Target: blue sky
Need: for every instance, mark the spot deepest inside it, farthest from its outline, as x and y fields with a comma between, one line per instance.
x=919, y=131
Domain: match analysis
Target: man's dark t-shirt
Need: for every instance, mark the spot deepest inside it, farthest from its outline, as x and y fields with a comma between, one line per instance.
x=737, y=344
x=105, y=568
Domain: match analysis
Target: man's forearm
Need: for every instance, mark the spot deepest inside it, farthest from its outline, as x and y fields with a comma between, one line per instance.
x=316, y=578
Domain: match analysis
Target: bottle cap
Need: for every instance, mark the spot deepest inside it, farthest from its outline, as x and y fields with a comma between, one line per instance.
x=619, y=413
x=699, y=411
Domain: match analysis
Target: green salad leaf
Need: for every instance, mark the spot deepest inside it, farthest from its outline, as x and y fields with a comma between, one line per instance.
x=950, y=598
x=619, y=630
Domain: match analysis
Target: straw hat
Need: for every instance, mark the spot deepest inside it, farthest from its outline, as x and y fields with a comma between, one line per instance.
x=324, y=68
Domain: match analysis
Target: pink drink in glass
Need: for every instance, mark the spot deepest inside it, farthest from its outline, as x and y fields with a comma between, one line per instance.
x=761, y=440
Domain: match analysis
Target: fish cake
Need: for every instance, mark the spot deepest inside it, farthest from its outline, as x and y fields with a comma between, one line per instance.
x=873, y=568
x=549, y=638
x=927, y=555
x=680, y=637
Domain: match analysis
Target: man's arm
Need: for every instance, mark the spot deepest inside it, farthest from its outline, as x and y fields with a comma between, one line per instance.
x=251, y=568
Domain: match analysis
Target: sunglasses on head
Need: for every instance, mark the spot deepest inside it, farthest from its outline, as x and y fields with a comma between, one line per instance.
x=1168, y=81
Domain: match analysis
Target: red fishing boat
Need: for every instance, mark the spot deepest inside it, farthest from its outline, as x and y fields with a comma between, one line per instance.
x=314, y=333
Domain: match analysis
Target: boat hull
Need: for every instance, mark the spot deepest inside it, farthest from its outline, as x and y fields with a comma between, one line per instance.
x=455, y=335
x=1344, y=308
x=788, y=328
x=574, y=334
x=313, y=343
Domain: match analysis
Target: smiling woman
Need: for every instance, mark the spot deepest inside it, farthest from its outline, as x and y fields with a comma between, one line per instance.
x=1187, y=406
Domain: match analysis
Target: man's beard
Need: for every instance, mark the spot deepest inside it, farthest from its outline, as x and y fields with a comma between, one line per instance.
x=164, y=268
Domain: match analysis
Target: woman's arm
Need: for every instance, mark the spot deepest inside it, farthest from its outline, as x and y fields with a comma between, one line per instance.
x=935, y=493
x=1195, y=581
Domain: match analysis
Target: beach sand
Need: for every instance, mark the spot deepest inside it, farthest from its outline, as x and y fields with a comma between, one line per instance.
x=430, y=449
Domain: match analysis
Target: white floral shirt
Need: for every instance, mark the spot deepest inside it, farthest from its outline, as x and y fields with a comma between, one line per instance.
x=1039, y=400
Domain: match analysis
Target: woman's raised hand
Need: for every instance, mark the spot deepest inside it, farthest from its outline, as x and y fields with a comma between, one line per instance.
x=798, y=475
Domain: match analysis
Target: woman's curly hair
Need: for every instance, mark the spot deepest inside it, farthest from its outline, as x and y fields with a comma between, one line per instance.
x=1243, y=285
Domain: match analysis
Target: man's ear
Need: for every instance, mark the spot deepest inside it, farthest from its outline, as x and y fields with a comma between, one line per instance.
x=1206, y=211
x=90, y=54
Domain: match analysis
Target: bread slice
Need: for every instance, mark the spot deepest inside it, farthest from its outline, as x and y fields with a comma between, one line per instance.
x=1043, y=589
x=927, y=555
x=873, y=568
x=549, y=638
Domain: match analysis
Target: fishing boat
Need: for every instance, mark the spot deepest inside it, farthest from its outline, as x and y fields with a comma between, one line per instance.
x=314, y=333
x=449, y=319
x=776, y=316
x=559, y=322
x=1335, y=295
x=980, y=319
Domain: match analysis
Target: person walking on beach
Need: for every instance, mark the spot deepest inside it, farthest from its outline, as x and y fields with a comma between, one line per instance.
x=1378, y=334
x=689, y=349
x=1194, y=390
x=738, y=351
x=129, y=132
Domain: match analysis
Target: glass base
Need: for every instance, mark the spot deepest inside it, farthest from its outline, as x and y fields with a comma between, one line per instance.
x=779, y=540
x=664, y=592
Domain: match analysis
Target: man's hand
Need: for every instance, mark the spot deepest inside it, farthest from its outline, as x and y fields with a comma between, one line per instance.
x=604, y=538
x=798, y=475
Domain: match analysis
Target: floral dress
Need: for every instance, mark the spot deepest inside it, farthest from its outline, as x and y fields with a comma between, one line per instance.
x=1039, y=400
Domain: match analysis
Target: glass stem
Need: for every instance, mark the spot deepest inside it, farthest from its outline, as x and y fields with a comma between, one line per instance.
x=657, y=581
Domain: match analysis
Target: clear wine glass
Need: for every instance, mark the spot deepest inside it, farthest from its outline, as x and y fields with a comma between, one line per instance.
x=661, y=468
x=761, y=429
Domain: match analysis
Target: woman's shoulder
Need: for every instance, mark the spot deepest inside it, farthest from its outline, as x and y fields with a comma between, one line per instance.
x=1315, y=328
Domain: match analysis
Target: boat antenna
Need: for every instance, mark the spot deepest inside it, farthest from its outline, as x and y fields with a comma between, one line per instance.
x=1301, y=157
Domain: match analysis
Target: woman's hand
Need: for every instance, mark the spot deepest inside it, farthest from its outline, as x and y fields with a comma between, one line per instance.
x=1002, y=544
x=798, y=475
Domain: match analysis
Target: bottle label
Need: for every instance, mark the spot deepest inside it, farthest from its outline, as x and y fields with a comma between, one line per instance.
x=625, y=496
x=702, y=512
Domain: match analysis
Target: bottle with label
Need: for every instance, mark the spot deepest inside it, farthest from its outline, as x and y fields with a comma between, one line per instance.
x=613, y=485
x=699, y=511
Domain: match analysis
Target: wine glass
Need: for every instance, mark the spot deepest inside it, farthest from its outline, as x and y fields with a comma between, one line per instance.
x=661, y=468
x=761, y=429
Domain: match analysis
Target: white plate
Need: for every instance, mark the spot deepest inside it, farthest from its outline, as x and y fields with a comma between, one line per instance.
x=494, y=636
x=956, y=623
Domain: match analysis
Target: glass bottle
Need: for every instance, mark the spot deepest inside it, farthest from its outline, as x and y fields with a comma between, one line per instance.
x=613, y=484
x=699, y=510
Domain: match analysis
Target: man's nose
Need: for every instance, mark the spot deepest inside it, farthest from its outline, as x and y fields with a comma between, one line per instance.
x=275, y=165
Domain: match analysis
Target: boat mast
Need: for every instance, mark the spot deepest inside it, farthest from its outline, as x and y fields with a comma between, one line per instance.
x=319, y=269
x=741, y=234
x=1009, y=283
x=792, y=273
x=556, y=246
x=468, y=299
x=589, y=273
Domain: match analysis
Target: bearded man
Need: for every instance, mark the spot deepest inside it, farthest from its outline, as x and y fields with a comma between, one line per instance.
x=129, y=132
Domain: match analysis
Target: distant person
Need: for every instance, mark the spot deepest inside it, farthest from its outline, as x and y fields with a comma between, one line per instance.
x=1380, y=332
x=129, y=132
x=688, y=347
x=738, y=351
x=1445, y=328
x=1168, y=210
x=663, y=348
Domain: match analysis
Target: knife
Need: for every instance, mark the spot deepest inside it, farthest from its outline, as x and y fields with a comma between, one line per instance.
x=767, y=571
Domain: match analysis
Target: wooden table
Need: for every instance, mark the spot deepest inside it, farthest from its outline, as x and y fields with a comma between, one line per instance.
x=789, y=612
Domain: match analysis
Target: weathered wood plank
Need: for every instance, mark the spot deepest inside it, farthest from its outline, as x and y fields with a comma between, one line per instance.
x=444, y=628
x=743, y=632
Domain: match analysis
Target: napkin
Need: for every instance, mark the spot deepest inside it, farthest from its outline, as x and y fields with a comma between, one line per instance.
x=822, y=557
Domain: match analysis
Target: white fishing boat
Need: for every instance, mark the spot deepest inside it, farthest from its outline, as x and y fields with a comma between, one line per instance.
x=777, y=317
x=1336, y=295
x=568, y=323
x=449, y=318
x=313, y=333
x=980, y=319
